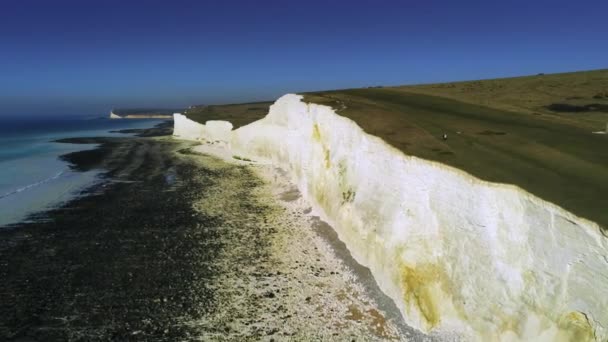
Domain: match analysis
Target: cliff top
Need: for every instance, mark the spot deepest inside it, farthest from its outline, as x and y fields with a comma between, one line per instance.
x=527, y=131
x=534, y=132
x=238, y=114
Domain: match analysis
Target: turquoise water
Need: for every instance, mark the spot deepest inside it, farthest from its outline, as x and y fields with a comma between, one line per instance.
x=32, y=177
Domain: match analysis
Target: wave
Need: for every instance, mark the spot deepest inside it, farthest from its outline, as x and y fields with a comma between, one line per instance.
x=33, y=185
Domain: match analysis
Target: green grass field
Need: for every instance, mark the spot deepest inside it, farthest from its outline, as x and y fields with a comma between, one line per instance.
x=238, y=114
x=533, y=94
x=498, y=130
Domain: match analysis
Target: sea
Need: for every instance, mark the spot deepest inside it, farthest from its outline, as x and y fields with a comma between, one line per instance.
x=32, y=176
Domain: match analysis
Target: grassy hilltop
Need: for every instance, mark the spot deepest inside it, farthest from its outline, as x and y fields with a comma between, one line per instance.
x=534, y=132
x=238, y=114
x=584, y=93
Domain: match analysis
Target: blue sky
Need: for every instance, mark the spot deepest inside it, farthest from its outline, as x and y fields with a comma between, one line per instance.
x=85, y=57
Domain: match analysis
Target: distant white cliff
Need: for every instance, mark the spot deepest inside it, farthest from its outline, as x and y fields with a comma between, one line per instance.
x=457, y=254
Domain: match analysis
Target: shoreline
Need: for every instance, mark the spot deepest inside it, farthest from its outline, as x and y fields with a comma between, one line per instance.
x=71, y=274
x=175, y=245
x=37, y=174
x=383, y=310
x=422, y=226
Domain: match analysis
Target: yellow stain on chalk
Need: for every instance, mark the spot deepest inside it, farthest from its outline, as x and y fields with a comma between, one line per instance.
x=576, y=327
x=316, y=136
x=316, y=133
x=421, y=288
x=326, y=157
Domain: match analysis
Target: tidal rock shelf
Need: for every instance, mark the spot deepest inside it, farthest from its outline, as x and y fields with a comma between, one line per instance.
x=174, y=246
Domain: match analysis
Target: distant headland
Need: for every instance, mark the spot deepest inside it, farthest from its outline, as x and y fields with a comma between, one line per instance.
x=143, y=113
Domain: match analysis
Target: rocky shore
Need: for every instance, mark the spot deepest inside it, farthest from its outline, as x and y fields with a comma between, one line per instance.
x=174, y=245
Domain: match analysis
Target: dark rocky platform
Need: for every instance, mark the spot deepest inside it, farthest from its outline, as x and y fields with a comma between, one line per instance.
x=122, y=262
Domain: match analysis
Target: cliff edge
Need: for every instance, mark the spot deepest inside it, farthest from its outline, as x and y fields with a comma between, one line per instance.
x=457, y=254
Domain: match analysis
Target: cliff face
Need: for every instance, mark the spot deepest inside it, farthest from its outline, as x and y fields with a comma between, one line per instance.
x=211, y=132
x=457, y=254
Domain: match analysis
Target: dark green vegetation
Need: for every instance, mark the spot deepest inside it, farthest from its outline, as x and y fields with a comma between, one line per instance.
x=568, y=108
x=536, y=95
x=552, y=155
x=238, y=114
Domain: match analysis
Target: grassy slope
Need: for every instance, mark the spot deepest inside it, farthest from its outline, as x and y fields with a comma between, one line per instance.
x=238, y=114
x=509, y=138
x=552, y=155
x=531, y=94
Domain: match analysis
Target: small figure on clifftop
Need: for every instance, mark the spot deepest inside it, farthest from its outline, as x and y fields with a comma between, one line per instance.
x=445, y=136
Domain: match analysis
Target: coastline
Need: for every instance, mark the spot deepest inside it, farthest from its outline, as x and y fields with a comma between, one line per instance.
x=175, y=245
x=34, y=177
x=91, y=269
x=294, y=283
x=422, y=226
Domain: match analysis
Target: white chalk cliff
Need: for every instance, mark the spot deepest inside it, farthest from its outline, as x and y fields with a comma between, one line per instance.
x=457, y=254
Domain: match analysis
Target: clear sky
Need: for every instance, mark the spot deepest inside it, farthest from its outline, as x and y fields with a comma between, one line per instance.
x=85, y=56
